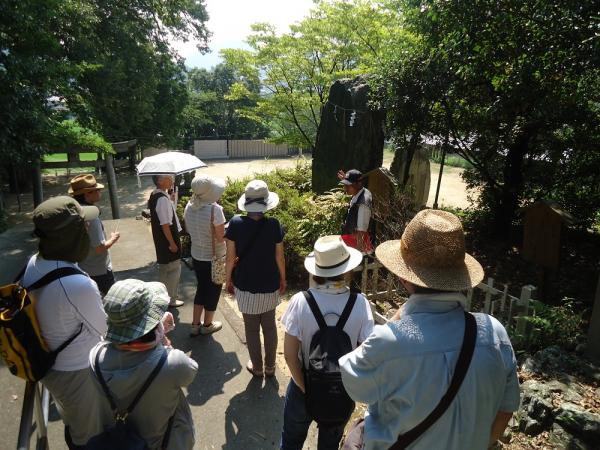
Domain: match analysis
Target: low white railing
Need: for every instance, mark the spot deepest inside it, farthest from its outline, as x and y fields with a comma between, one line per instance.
x=497, y=302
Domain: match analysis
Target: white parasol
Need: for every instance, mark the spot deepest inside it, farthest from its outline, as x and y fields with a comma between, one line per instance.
x=169, y=163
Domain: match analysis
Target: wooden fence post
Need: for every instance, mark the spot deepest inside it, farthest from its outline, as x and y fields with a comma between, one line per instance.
x=523, y=306
x=38, y=192
x=487, y=307
x=593, y=342
x=112, y=186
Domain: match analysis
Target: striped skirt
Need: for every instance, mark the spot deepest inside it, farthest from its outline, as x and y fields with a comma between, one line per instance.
x=259, y=303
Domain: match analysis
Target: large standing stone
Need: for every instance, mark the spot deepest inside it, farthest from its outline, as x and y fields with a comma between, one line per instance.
x=350, y=135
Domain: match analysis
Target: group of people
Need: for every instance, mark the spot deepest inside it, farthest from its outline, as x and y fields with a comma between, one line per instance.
x=401, y=369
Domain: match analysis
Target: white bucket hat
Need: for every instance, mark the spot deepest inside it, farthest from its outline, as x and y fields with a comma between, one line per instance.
x=257, y=197
x=332, y=257
x=207, y=189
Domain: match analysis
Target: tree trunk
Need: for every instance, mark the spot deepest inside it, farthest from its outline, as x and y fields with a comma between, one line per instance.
x=19, y=179
x=510, y=193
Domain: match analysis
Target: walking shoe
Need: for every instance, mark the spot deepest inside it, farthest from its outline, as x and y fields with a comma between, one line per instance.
x=195, y=331
x=250, y=368
x=214, y=326
x=175, y=304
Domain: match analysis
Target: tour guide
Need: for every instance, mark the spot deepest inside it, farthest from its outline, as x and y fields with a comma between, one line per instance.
x=355, y=231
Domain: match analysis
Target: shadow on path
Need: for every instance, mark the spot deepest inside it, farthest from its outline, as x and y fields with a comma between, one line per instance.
x=215, y=368
x=253, y=418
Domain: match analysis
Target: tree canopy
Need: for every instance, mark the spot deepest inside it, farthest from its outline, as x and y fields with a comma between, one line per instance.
x=213, y=113
x=109, y=59
x=296, y=69
x=514, y=85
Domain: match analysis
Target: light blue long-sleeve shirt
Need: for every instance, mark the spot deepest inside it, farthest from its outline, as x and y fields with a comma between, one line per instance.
x=404, y=368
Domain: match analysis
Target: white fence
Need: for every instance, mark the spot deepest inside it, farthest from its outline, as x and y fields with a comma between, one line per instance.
x=238, y=148
x=509, y=310
x=210, y=149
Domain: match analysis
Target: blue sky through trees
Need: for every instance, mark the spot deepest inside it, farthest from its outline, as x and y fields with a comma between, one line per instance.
x=230, y=22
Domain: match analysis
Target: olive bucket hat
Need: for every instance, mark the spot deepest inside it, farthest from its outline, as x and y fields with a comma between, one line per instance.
x=134, y=308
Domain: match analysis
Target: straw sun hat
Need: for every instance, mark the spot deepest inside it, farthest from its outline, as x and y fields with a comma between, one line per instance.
x=134, y=307
x=332, y=257
x=84, y=183
x=432, y=253
x=257, y=197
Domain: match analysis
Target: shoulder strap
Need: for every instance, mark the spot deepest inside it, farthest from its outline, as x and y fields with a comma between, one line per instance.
x=53, y=276
x=62, y=346
x=212, y=229
x=98, y=373
x=148, y=382
x=252, y=239
x=347, y=311
x=462, y=365
x=142, y=390
x=315, y=309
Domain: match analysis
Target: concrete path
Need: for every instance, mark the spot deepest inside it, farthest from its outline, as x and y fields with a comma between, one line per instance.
x=231, y=409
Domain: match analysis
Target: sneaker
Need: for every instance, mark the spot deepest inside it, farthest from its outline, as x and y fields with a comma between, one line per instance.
x=175, y=304
x=214, y=326
x=195, y=330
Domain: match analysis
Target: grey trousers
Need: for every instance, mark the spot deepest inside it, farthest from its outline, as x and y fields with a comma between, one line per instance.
x=168, y=274
x=77, y=401
x=252, y=324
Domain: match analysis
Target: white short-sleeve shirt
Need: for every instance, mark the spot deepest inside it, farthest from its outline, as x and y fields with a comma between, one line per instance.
x=299, y=321
x=165, y=210
x=61, y=307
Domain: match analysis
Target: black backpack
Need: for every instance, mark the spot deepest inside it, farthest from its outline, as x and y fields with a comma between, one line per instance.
x=327, y=401
x=123, y=435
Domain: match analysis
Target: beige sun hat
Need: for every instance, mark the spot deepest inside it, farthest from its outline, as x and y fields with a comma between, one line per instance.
x=207, y=189
x=332, y=257
x=83, y=183
x=432, y=253
x=257, y=197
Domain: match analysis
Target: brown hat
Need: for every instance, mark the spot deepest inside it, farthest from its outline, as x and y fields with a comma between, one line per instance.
x=84, y=183
x=432, y=253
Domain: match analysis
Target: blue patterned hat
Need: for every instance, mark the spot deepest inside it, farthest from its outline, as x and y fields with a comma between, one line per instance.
x=134, y=307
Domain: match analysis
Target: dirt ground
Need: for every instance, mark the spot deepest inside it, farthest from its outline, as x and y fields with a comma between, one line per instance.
x=133, y=198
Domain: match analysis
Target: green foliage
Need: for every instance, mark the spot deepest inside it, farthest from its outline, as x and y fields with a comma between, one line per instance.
x=515, y=87
x=109, y=59
x=550, y=325
x=452, y=161
x=70, y=134
x=339, y=39
x=215, y=99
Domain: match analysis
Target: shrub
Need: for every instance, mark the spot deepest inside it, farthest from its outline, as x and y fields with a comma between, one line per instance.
x=550, y=325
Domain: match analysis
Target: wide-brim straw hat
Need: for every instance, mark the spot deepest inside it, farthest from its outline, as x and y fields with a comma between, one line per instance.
x=84, y=183
x=207, y=189
x=432, y=253
x=257, y=197
x=134, y=308
x=332, y=257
